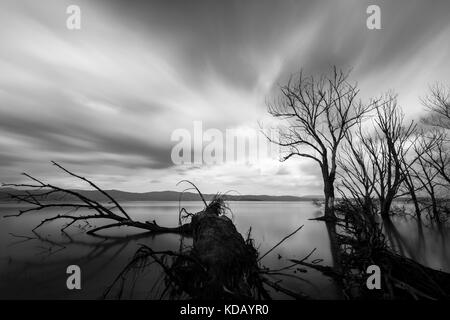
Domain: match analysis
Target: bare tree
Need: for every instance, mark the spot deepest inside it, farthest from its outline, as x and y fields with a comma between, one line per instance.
x=376, y=160
x=424, y=144
x=438, y=104
x=358, y=174
x=438, y=156
x=411, y=188
x=432, y=173
x=315, y=115
x=427, y=177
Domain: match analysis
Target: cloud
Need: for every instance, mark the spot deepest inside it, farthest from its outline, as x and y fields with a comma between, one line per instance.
x=105, y=99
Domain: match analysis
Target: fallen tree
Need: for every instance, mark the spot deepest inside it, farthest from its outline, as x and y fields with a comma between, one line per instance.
x=220, y=264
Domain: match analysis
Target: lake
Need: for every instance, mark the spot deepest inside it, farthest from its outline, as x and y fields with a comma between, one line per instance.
x=32, y=268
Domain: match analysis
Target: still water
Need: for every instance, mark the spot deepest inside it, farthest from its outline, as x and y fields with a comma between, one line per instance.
x=34, y=266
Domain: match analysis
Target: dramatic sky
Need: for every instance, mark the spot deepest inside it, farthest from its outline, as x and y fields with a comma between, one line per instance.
x=105, y=100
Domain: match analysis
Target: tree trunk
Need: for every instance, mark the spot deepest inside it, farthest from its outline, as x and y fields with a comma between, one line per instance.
x=329, y=199
x=229, y=261
x=435, y=208
x=220, y=265
x=416, y=205
x=385, y=207
x=410, y=185
x=386, y=203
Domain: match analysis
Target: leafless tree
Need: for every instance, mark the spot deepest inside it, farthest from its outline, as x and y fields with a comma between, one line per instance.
x=315, y=114
x=376, y=159
x=426, y=141
x=358, y=174
x=438, y=104
x=427, y=176
x=411, y=188
x=431, y=173
x=438, y=156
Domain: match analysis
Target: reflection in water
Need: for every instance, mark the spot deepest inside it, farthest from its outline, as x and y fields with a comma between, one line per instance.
x=336, y=253
x=34, y=266
x=424, y=244
x=397, y=242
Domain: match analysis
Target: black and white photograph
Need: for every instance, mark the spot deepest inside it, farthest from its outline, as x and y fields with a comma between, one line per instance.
x=214, y=151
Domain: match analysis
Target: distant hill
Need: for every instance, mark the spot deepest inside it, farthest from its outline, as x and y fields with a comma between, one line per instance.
x=158, y=196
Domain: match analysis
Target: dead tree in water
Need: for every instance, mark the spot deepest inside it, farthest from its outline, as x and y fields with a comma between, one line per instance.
x=361, y=243
x=358, y=176
x=376, y=160
x=220, y=265
x=316, y=114
x=438, y=156
x=438, y=105
x=431, y=175
x=427, y=175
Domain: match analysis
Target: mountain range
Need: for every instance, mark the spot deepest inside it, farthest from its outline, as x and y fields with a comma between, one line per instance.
x=158, y=196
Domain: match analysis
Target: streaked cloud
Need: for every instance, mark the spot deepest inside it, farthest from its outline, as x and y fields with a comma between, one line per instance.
x=104, y=100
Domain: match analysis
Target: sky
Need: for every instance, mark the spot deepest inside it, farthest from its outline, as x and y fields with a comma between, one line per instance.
x=105, y=100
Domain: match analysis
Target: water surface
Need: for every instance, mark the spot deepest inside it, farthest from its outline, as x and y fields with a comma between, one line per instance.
x=36, y=269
